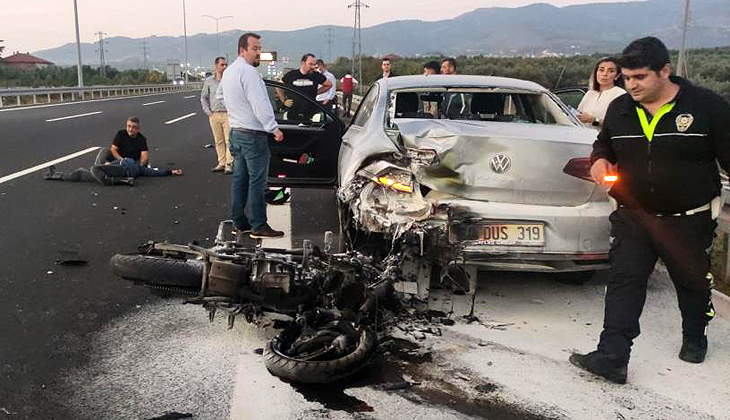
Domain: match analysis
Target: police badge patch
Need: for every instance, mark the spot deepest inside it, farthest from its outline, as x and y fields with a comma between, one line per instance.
x=684, y=121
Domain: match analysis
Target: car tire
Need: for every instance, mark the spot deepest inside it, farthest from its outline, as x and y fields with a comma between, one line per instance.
x=575, y=277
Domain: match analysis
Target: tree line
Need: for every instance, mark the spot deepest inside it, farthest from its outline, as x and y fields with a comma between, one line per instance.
x=708, y=67
x=56, y=76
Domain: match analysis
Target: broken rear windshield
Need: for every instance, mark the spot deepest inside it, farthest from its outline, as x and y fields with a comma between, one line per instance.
x=476, y=105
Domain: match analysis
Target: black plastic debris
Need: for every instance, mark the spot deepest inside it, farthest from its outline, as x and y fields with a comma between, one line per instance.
x=70, y=258
x=173, y=415
x=259, y=351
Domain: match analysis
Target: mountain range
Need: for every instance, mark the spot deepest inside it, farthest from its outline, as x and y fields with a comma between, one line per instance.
x=535, y=29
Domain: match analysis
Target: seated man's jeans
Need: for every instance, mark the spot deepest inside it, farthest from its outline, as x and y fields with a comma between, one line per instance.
x=251, y=155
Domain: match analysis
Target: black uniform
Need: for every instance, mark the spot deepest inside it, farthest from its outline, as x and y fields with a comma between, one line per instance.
x=665, y=184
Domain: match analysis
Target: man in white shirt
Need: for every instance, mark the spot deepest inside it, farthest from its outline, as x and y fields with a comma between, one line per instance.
x=251, y=118
x=327, y=99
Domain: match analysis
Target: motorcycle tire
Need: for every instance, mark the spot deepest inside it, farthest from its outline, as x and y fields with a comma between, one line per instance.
x=155, y=270
x=319, y=372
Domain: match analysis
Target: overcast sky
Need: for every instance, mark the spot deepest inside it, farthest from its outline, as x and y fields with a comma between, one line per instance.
x=31, y=25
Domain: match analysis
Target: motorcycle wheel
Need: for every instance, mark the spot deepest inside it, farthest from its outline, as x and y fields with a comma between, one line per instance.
x=155, y=270
x=319, y=372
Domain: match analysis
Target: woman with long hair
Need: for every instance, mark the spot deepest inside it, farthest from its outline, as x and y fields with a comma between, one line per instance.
x=605, y=85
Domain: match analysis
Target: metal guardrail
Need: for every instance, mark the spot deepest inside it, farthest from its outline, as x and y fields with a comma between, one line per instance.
x=24, y=96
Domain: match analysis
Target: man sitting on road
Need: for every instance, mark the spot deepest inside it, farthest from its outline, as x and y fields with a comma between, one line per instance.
x=127, y=159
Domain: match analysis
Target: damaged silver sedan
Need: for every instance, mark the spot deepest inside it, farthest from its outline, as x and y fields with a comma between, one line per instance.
x=472, y=172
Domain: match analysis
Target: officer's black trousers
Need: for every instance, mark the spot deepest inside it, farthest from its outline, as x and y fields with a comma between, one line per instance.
x=638, y=239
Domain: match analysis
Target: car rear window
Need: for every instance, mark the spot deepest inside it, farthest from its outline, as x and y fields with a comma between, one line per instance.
x=500, y=106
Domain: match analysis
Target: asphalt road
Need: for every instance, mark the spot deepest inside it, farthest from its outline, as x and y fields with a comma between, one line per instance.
x=77, y=343
x=49, y=311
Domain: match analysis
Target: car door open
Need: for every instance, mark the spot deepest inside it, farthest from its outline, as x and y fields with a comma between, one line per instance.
x=312, y=135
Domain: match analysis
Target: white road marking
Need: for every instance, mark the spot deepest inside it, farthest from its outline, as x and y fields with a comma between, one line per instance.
x=181, y=118
x=74, y=116
x=153, y=103
x=188, y=97
x=84, y=102
x=47, y=164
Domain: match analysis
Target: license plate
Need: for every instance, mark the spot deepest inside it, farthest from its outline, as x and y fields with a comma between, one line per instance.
x=524, y=234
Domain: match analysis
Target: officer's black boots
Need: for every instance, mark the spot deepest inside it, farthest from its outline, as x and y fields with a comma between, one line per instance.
x=693, y=349
x=606, y=365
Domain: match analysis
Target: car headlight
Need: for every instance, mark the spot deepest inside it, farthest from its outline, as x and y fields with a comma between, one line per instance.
x=398, y=180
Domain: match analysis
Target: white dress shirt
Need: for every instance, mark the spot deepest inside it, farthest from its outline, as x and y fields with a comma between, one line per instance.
x=596, y=103
x=244, y=94
x=332, y=91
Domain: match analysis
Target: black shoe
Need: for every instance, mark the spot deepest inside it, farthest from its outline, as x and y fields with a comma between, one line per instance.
x=52, y=175
x=605, y=365
x=694, y=349
x=266, y=232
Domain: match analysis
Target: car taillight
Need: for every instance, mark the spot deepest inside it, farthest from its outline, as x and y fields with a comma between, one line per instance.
x=579, y=168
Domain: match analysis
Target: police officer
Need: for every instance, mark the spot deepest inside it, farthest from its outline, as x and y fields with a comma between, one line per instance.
x=662, y=140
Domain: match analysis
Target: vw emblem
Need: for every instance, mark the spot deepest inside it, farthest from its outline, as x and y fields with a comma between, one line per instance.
x=500, y=163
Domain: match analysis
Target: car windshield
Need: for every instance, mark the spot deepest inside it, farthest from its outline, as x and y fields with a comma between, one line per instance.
x=478, y=105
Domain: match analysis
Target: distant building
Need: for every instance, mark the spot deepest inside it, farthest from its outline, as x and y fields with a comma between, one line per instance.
x=25, y=61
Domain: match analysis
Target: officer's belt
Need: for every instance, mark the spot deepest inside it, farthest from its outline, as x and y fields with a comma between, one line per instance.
x=699, y=209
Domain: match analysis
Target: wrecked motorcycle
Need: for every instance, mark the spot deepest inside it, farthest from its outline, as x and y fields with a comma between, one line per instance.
x=330, y=299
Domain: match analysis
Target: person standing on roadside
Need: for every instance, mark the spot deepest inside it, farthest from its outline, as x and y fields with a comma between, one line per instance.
x=252, y=121
x=448, y=66
x=432, y=67
x=348, y=86
x=605, y=86
x=307, y=81
x=664, y=141
x=218, y=117
x=385, y=65
x=327, y=99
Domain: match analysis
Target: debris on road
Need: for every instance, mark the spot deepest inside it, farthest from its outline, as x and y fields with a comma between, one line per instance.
x=70, y=258
x=173, y=415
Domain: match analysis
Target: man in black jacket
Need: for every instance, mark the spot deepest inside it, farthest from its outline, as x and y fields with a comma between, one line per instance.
x=663, y=140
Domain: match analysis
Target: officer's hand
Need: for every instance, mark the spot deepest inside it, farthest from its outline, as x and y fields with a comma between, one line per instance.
x=600, y=169
x=288, y=103
x=278, y=135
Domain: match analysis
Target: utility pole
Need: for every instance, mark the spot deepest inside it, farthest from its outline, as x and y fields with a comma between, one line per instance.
x=330, y=37
x=217, y=41
x=185, y=36
x=357, y=40
x=144, y=53
x=102, y=63
x=78, y=48
x=682, y=59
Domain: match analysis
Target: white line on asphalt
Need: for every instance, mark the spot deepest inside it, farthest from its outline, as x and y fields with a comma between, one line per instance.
x=74, y=116
x=181, y=118
x=152, y=103
x=20, y=108
x=188, y=97
x=47, y=164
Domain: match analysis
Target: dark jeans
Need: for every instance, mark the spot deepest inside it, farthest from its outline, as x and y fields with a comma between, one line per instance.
x=346, y=103
x=251, y=155
x=638, y=240
x=108, y=170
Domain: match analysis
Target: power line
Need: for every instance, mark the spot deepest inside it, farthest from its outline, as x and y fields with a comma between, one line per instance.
x=102, y=62
x=357, y=40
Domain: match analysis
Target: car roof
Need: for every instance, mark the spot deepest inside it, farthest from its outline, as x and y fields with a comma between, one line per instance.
x=459, y=80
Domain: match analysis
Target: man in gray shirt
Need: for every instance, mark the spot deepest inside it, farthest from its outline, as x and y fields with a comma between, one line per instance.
x=252, y=122
x=218, y=117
